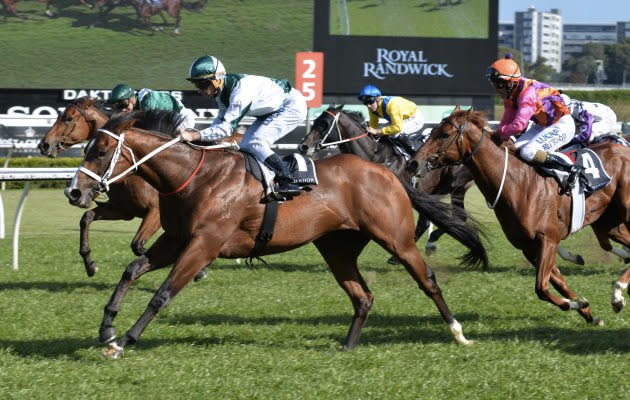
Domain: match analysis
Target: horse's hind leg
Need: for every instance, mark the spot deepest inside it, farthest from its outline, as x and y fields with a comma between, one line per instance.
x=421, y=226
x=161, y=254
x=341, y=250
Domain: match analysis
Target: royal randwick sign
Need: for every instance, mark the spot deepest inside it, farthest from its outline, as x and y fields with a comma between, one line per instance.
x=400, y=62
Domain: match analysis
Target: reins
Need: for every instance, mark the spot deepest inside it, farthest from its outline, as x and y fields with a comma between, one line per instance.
x=334, y=124
x=183, y=185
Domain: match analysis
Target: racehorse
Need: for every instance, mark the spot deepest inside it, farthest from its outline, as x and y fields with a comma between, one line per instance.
x=132, y=198
x=535, y=226
x=346, y=129
x=8, y=8
x=145, y=9
x=214, y=210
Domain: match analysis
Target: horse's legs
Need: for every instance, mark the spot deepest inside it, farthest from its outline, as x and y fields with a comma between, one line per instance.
x=543, y=257
x=558, y=282
x=101, y=212
x=161, y=254
x=173, y=10
x=421, y=226
x=149, y=225
x=198, y=253
x=340, y=251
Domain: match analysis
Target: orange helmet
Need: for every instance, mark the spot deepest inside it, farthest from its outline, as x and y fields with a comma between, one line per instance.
x=505, y=69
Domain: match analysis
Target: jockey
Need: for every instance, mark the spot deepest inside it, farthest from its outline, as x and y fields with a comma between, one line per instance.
x=524, y=100
x=125, y=99
x=277, y=107
x=402, y=114
x=591, y=120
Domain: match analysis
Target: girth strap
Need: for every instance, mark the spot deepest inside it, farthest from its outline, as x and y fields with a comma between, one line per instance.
x=266, y=231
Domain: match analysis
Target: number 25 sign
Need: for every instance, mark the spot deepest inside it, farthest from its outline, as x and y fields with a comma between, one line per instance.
x=309, y=76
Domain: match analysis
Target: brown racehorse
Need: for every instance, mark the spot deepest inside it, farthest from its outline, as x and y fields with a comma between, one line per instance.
x=347, y=130
x=131, y=198
x=533, y=215
x=217, y=212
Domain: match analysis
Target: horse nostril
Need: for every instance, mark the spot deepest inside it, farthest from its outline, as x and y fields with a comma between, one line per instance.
x=303, y=148
x=72, y=194
x=412, y=167
x=43, y=146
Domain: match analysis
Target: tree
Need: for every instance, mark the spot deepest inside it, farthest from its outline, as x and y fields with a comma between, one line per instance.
x=618, y=61
x=541, y=71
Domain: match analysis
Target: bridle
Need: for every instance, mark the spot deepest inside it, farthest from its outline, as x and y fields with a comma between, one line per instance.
x=434, y=161
x=70, y=127
x=335, y=124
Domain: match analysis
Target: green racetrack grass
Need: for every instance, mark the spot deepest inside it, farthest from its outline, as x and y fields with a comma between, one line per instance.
x=260, y=333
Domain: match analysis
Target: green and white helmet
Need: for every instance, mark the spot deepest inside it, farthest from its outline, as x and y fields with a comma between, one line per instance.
x=121, y=92
x=206, y=67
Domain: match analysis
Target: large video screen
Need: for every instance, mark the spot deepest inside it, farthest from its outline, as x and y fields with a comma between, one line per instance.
x=407, y=47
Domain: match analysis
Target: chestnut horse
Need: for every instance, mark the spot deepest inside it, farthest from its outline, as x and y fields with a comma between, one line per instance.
x=347, y=130
x=214, y=210
x=536, y=226
x=132, y=198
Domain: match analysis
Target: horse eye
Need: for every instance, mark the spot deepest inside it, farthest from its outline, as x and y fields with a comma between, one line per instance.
x=68, y=119
x=443, y=135
x=102, y=153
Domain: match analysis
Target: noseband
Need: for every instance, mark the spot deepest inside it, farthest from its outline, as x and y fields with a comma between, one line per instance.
x=434, y=162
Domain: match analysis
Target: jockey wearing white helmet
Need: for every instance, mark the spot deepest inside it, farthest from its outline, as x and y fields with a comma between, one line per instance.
x=277, y=107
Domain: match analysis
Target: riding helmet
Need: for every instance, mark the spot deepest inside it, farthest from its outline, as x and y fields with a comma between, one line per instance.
x=121, y=92
x=504, y=69
x=369, y=91
x=206, y=67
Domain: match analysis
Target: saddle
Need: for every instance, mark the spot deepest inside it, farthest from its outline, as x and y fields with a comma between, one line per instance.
x=591, y=176
x=406, y=145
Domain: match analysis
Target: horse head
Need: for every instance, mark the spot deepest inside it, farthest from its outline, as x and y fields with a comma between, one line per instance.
x=453, y=141
x=77, y=123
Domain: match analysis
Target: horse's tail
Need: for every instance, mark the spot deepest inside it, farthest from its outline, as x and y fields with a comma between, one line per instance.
x=453, y=220
x=194, y=5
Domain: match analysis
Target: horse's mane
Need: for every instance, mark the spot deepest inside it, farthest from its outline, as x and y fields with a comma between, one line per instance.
x=478, y=118
x=157, y=121
x=101, y=105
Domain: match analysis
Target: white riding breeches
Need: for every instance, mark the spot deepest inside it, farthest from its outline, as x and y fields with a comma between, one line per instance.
x=545, y=138
x=265, y=131
x=412, y=124
x=605, y=123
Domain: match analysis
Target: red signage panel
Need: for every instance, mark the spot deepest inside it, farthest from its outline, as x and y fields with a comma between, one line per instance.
x=309, y=76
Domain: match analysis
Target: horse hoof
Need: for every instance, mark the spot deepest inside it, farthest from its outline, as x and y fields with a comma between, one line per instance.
x=582, y=302
x=598, y=322
x=107, y=335
x=617, y=306
x=202, y=274
x=113, y=351
x=430, y=248
x=48, y=13
x=579, y=260
x=177, y=32
x=91, y=269
x=393, y=261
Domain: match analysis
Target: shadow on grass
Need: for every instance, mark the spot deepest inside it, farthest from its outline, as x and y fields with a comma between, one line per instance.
x=65, y=287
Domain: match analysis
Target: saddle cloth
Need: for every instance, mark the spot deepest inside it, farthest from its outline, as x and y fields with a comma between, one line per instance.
x=302, y=170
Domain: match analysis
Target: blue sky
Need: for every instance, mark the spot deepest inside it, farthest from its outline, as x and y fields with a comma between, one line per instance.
x=572, y=11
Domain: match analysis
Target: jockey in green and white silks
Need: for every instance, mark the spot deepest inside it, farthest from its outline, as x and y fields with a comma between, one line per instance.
x=277, y=107
x=125, y=98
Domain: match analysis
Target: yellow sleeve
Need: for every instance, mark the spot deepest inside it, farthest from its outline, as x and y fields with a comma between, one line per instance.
x=396, y=117
x=373, y=120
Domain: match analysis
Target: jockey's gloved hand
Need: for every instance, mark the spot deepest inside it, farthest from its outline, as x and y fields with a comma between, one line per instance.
x=189, y=135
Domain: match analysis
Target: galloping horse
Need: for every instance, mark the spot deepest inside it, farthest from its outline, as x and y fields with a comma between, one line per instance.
x=534, y=217
x=335, y=126
x=132, y=198
x=214, y=210
x=145, y=9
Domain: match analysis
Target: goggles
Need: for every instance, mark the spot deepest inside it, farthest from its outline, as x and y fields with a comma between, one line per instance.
x=122, y=104
x=367, y=100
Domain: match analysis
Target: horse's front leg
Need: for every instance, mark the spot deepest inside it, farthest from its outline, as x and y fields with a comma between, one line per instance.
x=149, y=225
x=101, y=212
x=163, y=253
x=192, y=259
x=545, y=262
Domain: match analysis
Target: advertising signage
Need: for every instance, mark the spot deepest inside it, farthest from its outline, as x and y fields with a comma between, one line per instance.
x=406, y=47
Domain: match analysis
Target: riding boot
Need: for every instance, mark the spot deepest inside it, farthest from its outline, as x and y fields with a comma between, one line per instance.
x=285, y=184
x=555, y=161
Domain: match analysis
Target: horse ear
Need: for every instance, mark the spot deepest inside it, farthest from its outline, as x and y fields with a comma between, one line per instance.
x=90, y=101
x=340, y=107
x=457, y=108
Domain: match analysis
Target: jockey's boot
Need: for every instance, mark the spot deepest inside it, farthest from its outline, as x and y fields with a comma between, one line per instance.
x=555, y=161
x=286, y=186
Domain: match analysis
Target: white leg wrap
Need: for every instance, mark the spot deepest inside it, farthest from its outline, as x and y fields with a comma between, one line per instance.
x=458, y=334
x=573, y=305
x=617, y=295
x=620, y=252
